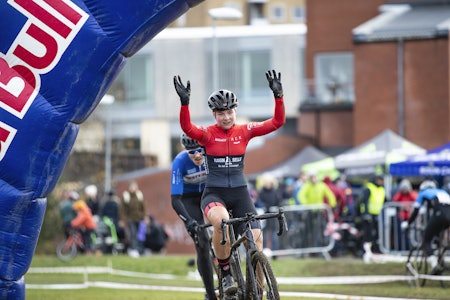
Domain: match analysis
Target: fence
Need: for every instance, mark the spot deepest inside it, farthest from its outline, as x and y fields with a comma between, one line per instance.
x=307, y=228
x=312, y=229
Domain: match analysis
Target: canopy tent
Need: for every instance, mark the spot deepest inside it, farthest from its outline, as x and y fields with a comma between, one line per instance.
x=292, y=166
x=435, y=162
x=375, y=155
x=323, y=167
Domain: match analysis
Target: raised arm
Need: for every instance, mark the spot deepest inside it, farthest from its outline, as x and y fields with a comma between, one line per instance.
x=184, y=92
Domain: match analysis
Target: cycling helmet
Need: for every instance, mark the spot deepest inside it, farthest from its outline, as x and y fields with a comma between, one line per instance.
x=188, y=143
x=222, y=100
x=427, y=184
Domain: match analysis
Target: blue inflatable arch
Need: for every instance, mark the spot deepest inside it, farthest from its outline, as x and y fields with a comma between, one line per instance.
x=57, y=59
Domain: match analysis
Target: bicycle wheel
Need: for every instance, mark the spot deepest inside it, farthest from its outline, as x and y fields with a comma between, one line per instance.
x=416, y=266
x=66, y=250
x=261, y=282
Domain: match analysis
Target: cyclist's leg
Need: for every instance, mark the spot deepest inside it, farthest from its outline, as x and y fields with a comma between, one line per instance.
x=435, y=225
x=215, y=211
x=202, y=248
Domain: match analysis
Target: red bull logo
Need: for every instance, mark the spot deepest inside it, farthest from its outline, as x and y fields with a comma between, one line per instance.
x=49, y=30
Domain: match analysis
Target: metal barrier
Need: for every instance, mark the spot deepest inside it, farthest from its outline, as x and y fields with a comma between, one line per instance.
x=392, y=239
x=307, y=231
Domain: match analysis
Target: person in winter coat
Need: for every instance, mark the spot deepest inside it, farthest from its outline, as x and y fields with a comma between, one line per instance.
x=270, y=197
x=84, y=221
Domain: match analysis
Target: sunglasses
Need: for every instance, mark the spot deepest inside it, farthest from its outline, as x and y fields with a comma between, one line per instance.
x=195, y=151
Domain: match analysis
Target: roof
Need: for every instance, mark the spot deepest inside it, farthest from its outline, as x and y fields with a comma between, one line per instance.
x=407, y=22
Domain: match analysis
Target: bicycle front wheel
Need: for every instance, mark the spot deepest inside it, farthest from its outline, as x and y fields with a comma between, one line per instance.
x=265, y=285
x=66, y=251
x=416, y=267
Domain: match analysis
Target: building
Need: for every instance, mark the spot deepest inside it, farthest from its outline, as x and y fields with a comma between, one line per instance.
x=376, y=65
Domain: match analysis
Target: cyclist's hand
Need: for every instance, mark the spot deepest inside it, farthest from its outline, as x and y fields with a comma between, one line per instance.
x=404, y=225
x=184, y=92
x=192, y=228
x=275, y=83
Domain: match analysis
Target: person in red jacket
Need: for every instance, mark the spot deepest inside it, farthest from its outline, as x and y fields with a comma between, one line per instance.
x=84, y=221
x=225, y=145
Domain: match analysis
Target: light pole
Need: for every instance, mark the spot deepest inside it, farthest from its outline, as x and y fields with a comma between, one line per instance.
x=107, y=100
x=220, y=13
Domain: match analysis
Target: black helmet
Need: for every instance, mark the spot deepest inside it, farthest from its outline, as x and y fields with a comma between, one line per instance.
x=188, y=143
x=222, y=100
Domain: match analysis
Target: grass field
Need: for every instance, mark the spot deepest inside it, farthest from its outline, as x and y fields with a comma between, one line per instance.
x=179, y=285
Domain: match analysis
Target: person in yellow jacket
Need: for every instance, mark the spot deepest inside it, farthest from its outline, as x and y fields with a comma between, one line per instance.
x=312, y=192
x=316, y=192
x=372, y=201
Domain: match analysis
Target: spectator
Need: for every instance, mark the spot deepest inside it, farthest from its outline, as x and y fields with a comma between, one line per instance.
x=371, y=204
x=91, y=199
x=270, y=197
x=133, y=212
x=404, y=194
x=348, y=210
x=111, y=210
x=84, y=221
x=340, y=198
x=314, y=192
x=66, y=210
x=151, y=235
x=297, y=186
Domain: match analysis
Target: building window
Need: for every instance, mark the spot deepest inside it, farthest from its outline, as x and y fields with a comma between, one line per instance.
x=298, y=14
x=256, y=13
x=243, y=73
x=253, y=87
x=333, y=78
x=134, y=84
x=278, y=13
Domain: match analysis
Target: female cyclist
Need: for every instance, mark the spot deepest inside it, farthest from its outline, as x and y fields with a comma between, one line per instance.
x=225, y=144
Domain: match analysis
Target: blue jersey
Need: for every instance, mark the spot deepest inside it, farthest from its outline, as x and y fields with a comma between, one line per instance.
x=440, y=196
x=186, y=176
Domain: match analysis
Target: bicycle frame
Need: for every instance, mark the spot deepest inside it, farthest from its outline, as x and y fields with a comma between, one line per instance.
x=257, y=265
x=67, y=249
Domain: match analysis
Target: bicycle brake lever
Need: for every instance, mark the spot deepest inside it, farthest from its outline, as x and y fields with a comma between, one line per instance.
x=282, y=223
x=224, y=233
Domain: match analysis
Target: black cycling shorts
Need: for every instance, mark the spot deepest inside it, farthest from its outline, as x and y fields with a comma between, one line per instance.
x=237, y=200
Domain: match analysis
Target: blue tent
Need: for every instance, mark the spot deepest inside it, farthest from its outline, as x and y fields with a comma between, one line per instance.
x=435, y=162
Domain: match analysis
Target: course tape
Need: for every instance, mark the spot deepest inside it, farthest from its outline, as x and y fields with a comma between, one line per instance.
x=127, y=286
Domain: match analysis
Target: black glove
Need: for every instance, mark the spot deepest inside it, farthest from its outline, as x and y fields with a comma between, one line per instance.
x=275, y=83
x=183, y=91
x=192, y=228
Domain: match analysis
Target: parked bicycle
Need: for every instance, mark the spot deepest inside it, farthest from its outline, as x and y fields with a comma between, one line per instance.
x=259, y=282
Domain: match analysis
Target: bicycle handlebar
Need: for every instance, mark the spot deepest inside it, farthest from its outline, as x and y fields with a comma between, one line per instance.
x=249, y=217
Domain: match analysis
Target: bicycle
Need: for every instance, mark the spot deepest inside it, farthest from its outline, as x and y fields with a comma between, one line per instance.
x=259, y=280
x=67, y=249
x=417, y=268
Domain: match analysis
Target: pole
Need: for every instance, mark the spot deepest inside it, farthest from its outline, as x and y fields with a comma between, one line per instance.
x=108, y=136
x=215, y=56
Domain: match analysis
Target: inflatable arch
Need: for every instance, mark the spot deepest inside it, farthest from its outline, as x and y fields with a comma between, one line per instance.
x=57, y=60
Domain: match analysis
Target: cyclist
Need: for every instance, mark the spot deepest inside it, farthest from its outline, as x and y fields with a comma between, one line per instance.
x=187, y=185
x=225, y=143
x=439, y=200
